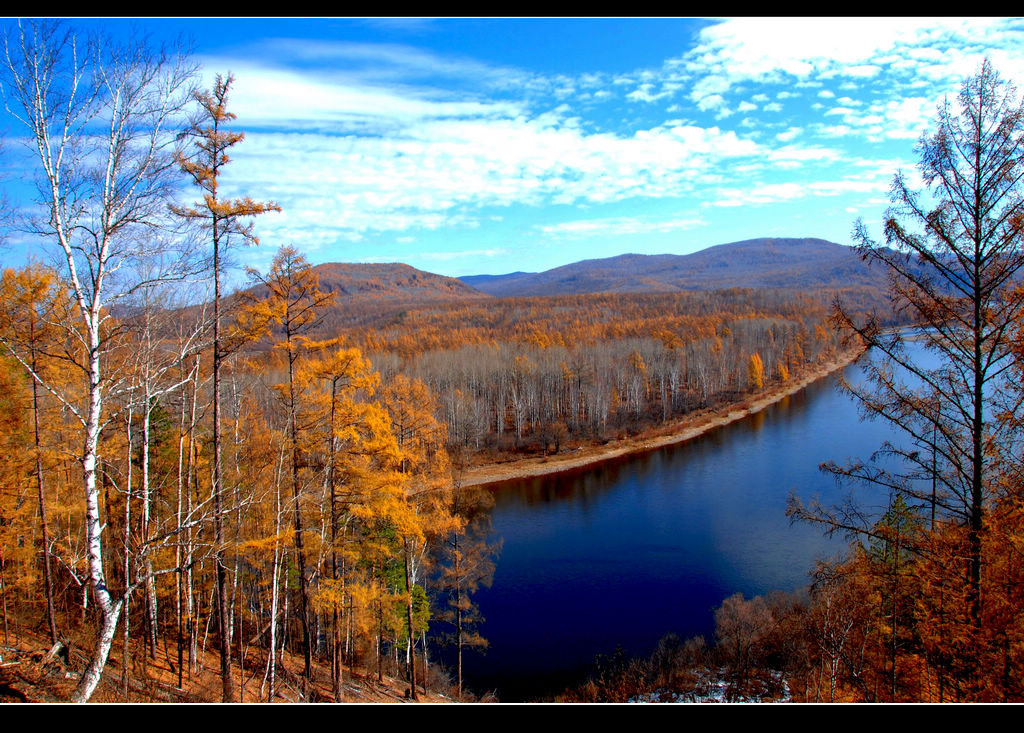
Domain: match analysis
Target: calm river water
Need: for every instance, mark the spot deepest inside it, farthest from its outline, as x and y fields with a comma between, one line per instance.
x=622, y=553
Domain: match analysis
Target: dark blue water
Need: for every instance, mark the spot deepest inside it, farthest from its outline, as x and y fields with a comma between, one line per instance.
x=624, y=552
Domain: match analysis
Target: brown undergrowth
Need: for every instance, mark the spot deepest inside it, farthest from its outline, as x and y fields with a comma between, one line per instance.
x=29, y=672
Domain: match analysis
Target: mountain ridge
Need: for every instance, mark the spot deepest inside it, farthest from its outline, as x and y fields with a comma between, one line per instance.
x=803, y=264
x=784, y=262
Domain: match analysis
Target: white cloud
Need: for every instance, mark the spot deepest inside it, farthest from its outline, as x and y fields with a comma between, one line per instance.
x=834, y=188
x=763, y=194
x=618, y=226
x=834, y=130
x=643, y=93
x=797, y=154
x=277, y=97
x=712, y=101
x=909, y=117
x=769, y=193
x=392, y=162
x=767, y=50
x=905, y=119
x=376, y=148
x=381, y=61
x=788, y=135
x=861, y=70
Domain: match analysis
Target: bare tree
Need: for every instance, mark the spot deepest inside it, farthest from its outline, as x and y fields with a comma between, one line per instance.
x=99, y=120
x=954, y=254
x=227, y=222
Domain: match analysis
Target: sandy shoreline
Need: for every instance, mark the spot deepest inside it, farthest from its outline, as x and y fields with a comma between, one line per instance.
x=686, y=429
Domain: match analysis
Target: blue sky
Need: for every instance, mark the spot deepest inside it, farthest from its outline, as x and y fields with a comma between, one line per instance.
x=469, y=146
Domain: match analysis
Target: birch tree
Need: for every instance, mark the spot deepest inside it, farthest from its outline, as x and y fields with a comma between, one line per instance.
x=99, y=120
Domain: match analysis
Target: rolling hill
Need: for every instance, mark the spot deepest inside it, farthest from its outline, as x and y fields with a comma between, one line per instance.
x=802, y=264
x=371, y=295
x=391, y=282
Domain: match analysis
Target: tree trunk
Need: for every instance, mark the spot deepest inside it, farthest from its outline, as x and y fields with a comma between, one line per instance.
x=224, y=626
x=47, y=576
x=408, y=616
x=108, y=609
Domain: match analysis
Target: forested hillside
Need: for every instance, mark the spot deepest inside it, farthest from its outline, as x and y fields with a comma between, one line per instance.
x=533, y=373
x=335, y=465
x=529, y=374
x=927, y=604
x=396, y=283
x=269, y=480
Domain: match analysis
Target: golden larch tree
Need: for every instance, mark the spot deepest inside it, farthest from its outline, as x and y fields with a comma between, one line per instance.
x=228, y=221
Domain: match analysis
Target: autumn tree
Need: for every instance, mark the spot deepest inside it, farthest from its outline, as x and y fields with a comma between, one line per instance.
x=424, y=465
x=755, y=371
x=296, y=304
x=890, y=561
x=953, y=253
x=356, y=445
x=467, y=562
x=99, y=120
x=17, y=555
x=32, y=307
x=228, y=222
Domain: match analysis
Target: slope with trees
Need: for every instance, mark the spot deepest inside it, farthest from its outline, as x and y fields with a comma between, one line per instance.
x=954, y=257
x=100, y=121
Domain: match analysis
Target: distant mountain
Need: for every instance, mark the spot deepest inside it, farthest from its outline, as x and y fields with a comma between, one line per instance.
x=804, y=264
x=481, y=282
x=390, y=283
x=394, y=281
x=373, y=293
x=367, y=294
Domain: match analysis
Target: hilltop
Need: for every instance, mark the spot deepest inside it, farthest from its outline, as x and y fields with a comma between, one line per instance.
x=392, y=282
x=802, y=264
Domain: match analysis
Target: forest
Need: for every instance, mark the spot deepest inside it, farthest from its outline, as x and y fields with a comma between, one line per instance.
x=340, y=527
x=926, y=604
x=259, y=489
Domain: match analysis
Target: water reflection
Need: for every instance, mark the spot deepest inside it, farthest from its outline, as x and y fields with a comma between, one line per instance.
x=636, y=547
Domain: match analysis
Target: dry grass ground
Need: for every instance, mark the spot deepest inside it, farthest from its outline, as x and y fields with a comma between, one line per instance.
x=28, y=673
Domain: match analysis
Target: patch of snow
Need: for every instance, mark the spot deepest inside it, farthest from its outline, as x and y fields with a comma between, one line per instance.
x=713, y=690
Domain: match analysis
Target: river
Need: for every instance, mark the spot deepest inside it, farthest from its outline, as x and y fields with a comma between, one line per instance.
x=622, y=553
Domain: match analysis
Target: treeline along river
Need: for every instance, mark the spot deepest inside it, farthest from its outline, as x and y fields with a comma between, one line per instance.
x=631, y=549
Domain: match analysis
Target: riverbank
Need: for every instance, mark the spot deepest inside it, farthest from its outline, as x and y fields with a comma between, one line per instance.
x=687, y=428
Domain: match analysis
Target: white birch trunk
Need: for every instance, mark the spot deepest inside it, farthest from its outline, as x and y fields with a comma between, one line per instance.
x=108, y=608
